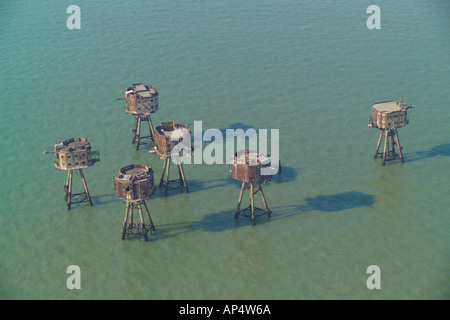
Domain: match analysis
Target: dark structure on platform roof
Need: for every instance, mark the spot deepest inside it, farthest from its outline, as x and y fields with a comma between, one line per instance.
x=246, y=166
x=141, y=101
x=167, y=136
x=75, y=154
x=134, y=184
x=387, y=117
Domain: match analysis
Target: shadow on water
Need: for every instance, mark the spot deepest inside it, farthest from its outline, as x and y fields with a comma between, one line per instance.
x=104, y=199
x=340, y=201
x=439, y=150
x=97, y=200
x=224, y=220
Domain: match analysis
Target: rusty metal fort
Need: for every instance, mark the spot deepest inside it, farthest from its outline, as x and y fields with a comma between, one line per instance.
x=134, y=183
x=71, y=155
x=388, y=117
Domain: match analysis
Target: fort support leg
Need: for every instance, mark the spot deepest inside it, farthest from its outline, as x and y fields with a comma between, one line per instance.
x=135, y=128
x=240, y=200
x=138, y=131
x=166, y=184
x=152, y=226
x=179, y=173
x=66, y=186
x=399, y=147
x=143, y=228
x=165, y=177
x=252, y=204
x=150, y=125
x=378, y=145
x=125, y=221
x=67, y=182
x=130, y=212
x=163, y=173
x=69, y=189
x=88, y=196
x=139, y=138
x=268, y=212
x=386, y=142
x=182, y=177
x=391, y=134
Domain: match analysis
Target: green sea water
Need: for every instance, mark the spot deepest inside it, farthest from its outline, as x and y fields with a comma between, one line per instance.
x=311, y=69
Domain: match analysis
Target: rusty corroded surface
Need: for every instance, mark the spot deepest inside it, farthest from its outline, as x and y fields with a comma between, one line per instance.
x=75, y=153
x=167, y=135
x=388, y=115
x=134, y=182
x=141, y=99
x=246, y=166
